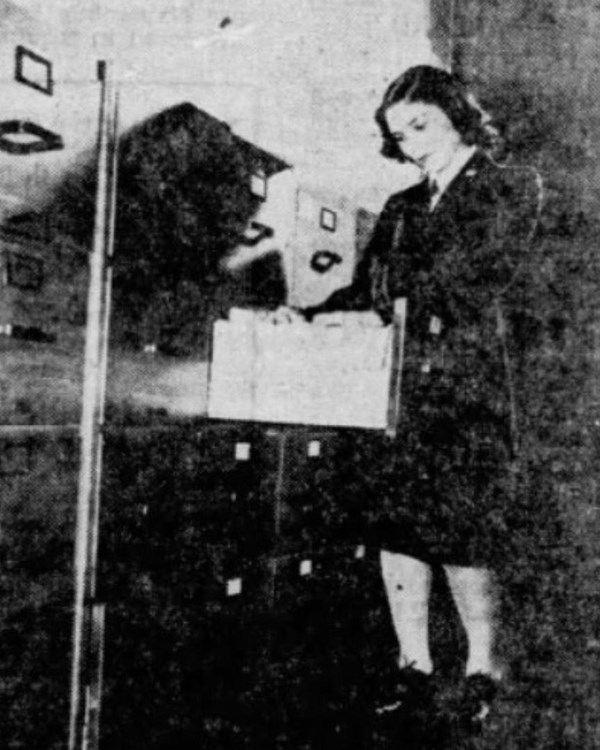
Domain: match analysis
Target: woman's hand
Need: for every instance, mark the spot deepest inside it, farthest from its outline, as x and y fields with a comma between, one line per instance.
x=285, y=315
x=363, y=319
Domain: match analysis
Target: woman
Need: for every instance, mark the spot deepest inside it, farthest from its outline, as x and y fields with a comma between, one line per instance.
x=455, y=246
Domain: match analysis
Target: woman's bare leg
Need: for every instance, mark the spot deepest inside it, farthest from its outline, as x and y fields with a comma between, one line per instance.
x=474, y=591
x=408, y=586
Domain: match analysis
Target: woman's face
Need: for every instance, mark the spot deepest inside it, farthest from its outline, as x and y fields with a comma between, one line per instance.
x=424, y=133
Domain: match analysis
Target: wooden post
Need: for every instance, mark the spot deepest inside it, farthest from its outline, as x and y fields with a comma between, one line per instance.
x=84, y=686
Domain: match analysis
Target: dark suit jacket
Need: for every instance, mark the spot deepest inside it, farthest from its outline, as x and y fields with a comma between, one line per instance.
x=444, y=490
x=463, y=269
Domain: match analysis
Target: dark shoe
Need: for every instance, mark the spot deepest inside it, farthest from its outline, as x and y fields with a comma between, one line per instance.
x=478, y=694
x=412, y=693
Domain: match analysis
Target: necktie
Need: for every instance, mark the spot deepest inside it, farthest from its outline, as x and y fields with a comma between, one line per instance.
x=434, y=191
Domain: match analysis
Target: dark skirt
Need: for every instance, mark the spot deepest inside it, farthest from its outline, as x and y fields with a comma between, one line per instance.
x=447, y=491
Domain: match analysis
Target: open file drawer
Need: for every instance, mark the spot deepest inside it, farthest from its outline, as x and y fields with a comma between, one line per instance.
x=345, y=375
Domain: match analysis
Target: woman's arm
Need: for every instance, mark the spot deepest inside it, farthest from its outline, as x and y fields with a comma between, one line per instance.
x=366, y=285
x=497, y=227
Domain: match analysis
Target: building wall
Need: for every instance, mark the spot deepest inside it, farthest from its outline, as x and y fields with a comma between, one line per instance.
x=300, y=80
x=534, y=65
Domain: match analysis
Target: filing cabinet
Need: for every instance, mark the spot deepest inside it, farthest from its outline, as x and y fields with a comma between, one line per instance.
x=217, y=480
x=168, y=495
x=43, y=278
x=38, y=492
x=320, y=603
x=231, y=554
x=324, y=245
x=316, y=494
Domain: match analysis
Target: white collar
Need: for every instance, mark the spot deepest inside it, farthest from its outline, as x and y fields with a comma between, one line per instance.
x=446, y=175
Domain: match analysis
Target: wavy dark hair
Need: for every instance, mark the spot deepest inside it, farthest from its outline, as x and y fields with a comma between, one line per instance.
x=424, y=83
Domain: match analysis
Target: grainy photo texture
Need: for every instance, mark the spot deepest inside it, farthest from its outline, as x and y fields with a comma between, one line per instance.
x=299, y=407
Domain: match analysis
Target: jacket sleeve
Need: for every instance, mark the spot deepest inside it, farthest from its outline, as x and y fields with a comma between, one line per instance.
x=368, y=289
x=500, y=243
x=510, y=327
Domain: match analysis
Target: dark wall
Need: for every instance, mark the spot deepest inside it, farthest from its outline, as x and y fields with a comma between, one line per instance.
x=534, y=65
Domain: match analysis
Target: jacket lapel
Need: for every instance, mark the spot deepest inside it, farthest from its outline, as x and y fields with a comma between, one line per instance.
x=462, y=188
